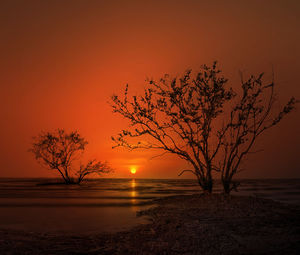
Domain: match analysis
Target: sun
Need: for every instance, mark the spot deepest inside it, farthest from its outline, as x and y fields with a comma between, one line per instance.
x=133, y=170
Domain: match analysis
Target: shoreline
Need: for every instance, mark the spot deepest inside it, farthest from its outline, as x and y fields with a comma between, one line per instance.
x=182, y=224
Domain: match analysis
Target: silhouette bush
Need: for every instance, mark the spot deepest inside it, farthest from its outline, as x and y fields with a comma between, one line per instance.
x=59, y=150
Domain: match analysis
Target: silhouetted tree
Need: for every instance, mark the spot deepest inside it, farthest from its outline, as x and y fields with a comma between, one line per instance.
x=177, y=115
x=58, y=150
x=182, y=116
x=251, y=116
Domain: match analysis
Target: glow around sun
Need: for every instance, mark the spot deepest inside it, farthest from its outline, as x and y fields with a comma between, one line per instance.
x=133, y=170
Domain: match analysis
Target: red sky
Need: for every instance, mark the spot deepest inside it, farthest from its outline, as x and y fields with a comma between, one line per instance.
x=62, y=60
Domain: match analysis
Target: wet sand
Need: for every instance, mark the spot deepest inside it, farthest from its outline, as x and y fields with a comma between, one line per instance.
x=186, y=224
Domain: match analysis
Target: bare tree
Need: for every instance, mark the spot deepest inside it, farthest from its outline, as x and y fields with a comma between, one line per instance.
x=177, y=116
x=59, y=150
x=252, y=115
x=182, y=116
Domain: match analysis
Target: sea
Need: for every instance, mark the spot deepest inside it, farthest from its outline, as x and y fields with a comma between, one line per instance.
x=108, y=205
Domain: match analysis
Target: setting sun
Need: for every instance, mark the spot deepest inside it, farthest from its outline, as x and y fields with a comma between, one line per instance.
x=133, y=170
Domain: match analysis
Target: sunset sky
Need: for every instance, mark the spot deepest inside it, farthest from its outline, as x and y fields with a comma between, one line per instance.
x=62, y=60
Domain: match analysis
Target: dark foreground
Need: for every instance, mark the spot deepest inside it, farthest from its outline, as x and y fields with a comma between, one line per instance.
x=195, y=224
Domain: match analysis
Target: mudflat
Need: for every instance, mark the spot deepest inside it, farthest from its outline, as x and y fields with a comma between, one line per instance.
x=185, y=224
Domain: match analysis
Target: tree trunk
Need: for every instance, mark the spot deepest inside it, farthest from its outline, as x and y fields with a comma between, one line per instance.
x=226, y=186
x=206, y=184
x=62, y=175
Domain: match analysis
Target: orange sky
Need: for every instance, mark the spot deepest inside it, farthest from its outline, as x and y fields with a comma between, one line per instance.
x=62, y=60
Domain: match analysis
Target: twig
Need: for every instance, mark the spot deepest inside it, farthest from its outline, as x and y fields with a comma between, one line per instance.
x=187, y=170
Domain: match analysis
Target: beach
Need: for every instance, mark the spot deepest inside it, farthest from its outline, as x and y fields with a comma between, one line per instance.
x=182, y=224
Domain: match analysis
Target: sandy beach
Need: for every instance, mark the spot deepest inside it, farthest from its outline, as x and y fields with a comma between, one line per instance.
x=185, y=224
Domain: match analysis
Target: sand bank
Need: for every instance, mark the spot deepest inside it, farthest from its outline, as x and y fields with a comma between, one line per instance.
x=194, y=224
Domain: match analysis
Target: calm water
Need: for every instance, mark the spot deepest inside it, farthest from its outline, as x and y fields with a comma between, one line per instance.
x=106, y=204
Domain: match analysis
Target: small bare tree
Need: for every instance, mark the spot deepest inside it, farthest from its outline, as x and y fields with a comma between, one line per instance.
x=59, y=150
x=182, y=116
x=252, y=115
x=177, y=116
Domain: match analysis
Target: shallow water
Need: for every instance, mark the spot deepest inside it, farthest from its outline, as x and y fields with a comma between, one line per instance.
x=107, y=204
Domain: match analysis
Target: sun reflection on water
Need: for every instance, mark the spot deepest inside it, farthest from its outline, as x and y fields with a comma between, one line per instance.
x=133, y=193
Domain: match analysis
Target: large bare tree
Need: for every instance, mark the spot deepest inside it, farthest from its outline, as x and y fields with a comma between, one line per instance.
x=59, y=150
x=177, y=115
x=251, y=116
x=184, y=116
